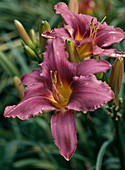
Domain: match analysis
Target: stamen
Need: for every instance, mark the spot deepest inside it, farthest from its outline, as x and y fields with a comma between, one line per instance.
x=101, y=22
x=93, y=29
x=56, y=93
x=91, y=26
x=51, y=76
x=55, y=77
x=61, y=84
x=60, y=92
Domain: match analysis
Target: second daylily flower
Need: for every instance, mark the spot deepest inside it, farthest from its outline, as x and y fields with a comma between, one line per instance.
x=65, y=87
x=89, y=35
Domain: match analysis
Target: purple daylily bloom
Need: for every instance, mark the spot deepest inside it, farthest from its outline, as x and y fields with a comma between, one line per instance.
x=65, y=87
x=89, y=35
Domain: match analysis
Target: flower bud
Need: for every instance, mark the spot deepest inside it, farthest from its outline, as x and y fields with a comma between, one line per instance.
x=44, y=26
x=116, y=75
x=31, y=54
x=33, y=36
x=23, y=34
x=19, y=88
x=70, y=47
x=99, y=75
x=73, y=6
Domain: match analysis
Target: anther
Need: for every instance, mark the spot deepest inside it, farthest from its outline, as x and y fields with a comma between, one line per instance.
x=100, y=23
x=91, y=24
x=55, y=77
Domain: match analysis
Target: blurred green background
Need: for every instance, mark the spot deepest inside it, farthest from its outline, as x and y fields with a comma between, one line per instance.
x=28, y=144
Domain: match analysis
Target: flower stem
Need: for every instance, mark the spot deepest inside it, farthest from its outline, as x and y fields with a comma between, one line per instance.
x=120, y=142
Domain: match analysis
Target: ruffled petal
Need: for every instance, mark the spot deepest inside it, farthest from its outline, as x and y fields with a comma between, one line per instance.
x=108, y=35
x=35, y=101
x=78, y=23
x=61, y=32
x=28, y=108
x=89, y=94
x=92, y=66
x=64, y=132
x=31, y=78
x=112, y=53
x=55, y=60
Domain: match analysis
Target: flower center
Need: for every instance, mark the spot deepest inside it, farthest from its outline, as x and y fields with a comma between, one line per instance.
x=86, y=49
x=61, y=91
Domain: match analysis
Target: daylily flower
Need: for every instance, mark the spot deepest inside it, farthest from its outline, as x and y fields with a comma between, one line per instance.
x=65, y=87
x=89, y=35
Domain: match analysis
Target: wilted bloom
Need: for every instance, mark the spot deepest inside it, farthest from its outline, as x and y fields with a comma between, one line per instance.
x=65, y=87
x=89, y=35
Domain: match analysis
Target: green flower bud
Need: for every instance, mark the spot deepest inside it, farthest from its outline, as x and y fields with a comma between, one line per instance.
x=23, y=34
x=99, y=75
x=19, y=88
x=116, y=75
x=44, y=26
x=31, y=54
x=33, y=36
x=70, y=47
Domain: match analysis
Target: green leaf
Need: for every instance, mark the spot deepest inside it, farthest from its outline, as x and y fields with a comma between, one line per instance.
x=9, y=67
x=101, y=154
x=37, y=163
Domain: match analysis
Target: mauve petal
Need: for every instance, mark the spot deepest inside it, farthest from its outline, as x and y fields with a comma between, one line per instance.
x=55, y=59
x=89, y=94
x=108, y=35
x=64, y=132
x=62, y=32
x=31, y=78
x=109, y=52
x=92, y=66
x=29, y=107
x=77, y=22
x=97, y=50
x=36, y=89
x=36, y=100
x=112, y=53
